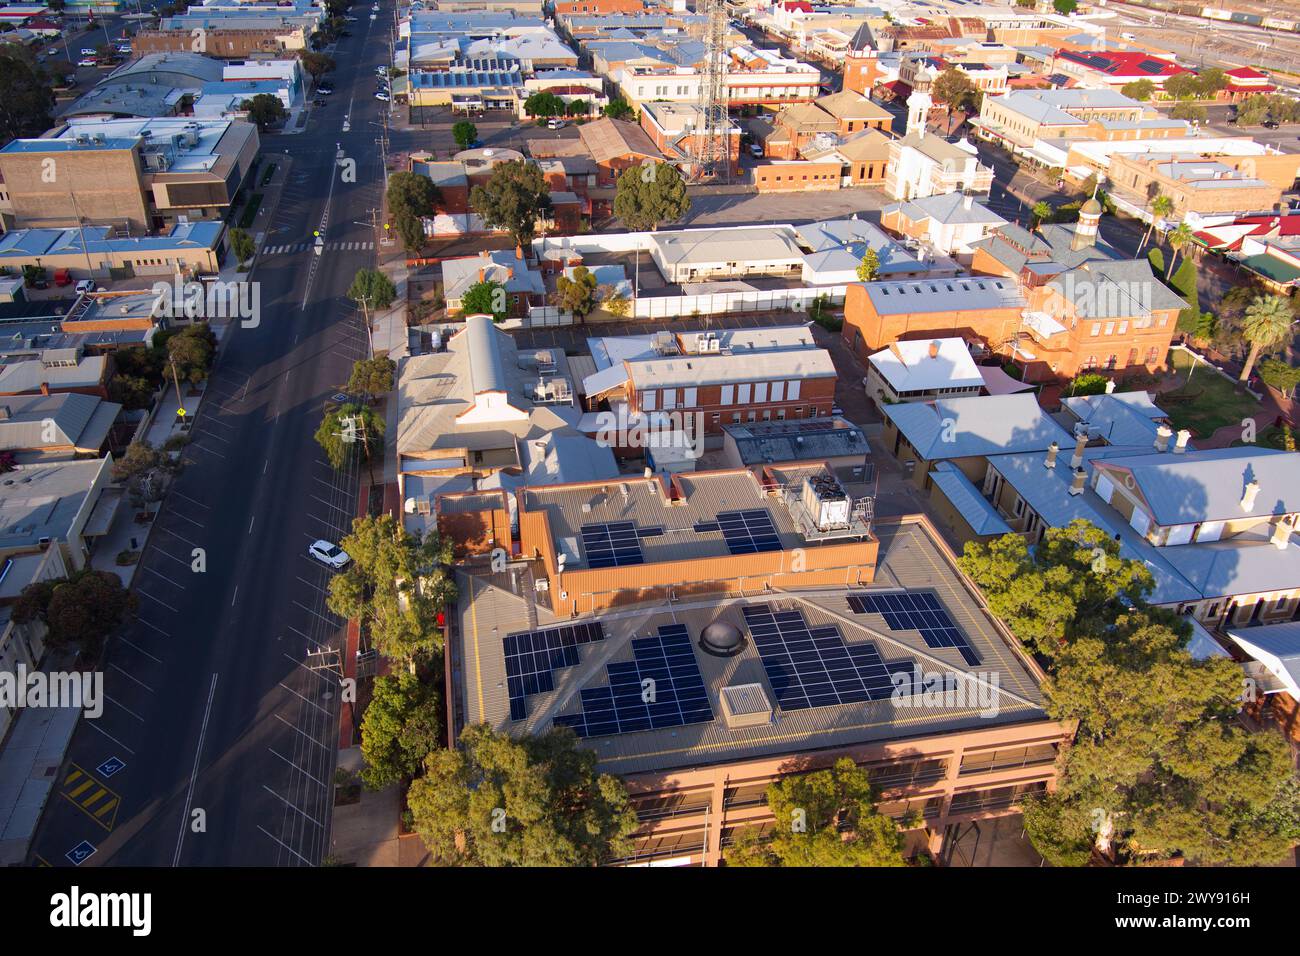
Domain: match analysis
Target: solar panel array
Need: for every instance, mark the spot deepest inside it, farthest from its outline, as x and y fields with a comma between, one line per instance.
x=921, y=612
x=611, y=545
x=747, y=532
x=812, y=666
x=532, y=656
x=678, y=690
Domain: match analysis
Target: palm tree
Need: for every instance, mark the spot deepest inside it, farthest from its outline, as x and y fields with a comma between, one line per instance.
x=1266, y=325
x=1042, y=212
x=1161, y=206
x=1178, y=239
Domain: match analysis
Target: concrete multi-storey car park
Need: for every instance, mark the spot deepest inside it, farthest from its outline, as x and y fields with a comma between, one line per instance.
x=698, y=780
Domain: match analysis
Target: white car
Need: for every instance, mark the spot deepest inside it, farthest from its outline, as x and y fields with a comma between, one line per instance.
x=374, y=16
x=381, y=95
x=329, y=554
x=555, y=124
x=88, y=51
x=87, y=61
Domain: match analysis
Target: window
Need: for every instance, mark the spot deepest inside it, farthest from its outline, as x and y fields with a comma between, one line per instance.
x=688, y=398
x=778, y=391
x=767, y=414
x=728, y=396
x=792, y=390
x=752, y=416
x=1110, y=328
x=780, y=414
x=716, y=418
x=1123, y=328
x=1019, y=507
x=648, y=400
x=760, y=393
x=1096, y=329
x=670, y=398
x=735, y=418
x=742, y=394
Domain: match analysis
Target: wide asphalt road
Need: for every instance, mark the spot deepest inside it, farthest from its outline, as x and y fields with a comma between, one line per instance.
x=217, y=744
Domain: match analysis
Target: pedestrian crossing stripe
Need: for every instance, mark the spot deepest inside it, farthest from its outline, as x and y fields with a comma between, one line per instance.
x=329, y=247
x=82, y=790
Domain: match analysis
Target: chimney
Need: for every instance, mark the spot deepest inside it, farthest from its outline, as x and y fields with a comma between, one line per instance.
x=967, y=201
x=1080, y=442
x=519, y=253
x=1248, y=496
x=510, y=273
x=1050, y=461
x=1110, y=386
x=482, y=274
x=1181, y=445
x=934, y=348
x=1077, y=483
x=1163, y=434
x=45, y=388
x=1282, y=533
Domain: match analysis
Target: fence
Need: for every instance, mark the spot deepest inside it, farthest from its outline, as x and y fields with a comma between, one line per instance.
x=723, y=303
x=547, y=315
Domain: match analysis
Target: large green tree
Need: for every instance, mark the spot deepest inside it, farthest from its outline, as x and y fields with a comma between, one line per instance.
x=1266, y=325
x=396, y=585
x=192, y=350
x=649, y=195
x=315, y=64
x=464, y=133
x=543, y=103
x=1064, y=587
x=372, y=290
x=578, y=294
x=26, y=100
x=532, y=801
x=400, y=728
x=80, y=610
x=372, y=376
x=412, y=193
x=824, y=818
x=349, y=432
x=955, y=90
x=264, y=109
x=488, y=297
x=514, y=198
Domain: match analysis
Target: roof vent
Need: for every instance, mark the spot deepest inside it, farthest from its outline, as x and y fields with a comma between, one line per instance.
x=722, y=639
x=745, y=705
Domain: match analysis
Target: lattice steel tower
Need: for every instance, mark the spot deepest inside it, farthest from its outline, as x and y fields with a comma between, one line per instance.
x=711, y=142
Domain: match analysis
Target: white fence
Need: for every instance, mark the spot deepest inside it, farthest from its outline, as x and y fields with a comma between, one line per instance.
x=722, y=303
x=544, y=315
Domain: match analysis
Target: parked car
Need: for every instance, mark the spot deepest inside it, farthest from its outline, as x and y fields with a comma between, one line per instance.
x=1270, y=124
x=87, y=61
x=381, y=95
x=87, y=51
x=329, y=554
x=555, y=124
x=756, y=150
x=84, y=286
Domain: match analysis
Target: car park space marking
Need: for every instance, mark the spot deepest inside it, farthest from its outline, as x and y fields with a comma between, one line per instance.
x=299, y=730
x=329, y=504
x=164, y=577
x=292, y=806
x=94, y=725
x=191, y=500
x=335, y=624
x=306, y=774
x=141, y=650
x=173, y=513
x=314, y=587
x=175, y=535
x=129, y=712
x=158, y=549
x=131, y=678
x=84, y=791
x=300, y=696
x=141, y=620
x=285, y=845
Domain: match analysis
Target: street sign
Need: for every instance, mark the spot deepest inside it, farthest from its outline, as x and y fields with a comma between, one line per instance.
x=80, y=853
x=110, y=766
x=180, y=413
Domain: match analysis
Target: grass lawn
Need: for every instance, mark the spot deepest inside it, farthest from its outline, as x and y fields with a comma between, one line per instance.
x=1212, y=400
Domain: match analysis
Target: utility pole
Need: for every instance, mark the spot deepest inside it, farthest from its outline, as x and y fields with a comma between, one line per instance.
x=180, y=404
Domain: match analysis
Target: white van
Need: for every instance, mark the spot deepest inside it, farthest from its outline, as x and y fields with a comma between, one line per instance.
x=84, y=286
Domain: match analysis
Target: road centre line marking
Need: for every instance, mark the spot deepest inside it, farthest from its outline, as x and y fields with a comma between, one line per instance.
x=194, y=774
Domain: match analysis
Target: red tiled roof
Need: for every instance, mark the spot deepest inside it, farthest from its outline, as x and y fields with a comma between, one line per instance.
x=801, y=5
x=1246, y=73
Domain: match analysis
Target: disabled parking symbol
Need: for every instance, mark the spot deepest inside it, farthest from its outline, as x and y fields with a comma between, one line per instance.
x=110, y=766
x=80, y=853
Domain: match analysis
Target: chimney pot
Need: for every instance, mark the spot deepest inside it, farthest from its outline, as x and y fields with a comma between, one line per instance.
x=482, y=274
x=1183, y=437
x=45, y=388
x=1249, y=495
x=1080, y=442
x=519, y=252
x=1163, y=434
x=934, y=349
x=968, y=201
x=1077, y=483
x=1050, y=461
x=1110, y=386
x=1282, y=532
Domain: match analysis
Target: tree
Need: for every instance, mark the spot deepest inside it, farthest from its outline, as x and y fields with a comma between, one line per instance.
x=1065, y=7
x=371, y=289
x=264, y=109
x=649, y=195
x=316, y=64
x=1062, y=589
x=1280, y=375
x=869, y=266
x=401, y=727
x=824, y=818
x=1186, y=284
x=1181, y=86
x=1042, y=212
x=486, y=298
x=411, y=193
x=543, y=104
x=576, y=294
x=1191, y=112
x=464, y=133
x=1209, y=81
x=348, y=431
x=577, y=108
x=372, y=376
x=1156, y=257
x=140, y=469
x=1141, y=90
x=25, y=100
x=514, y=198
x=79, y=610
x=130, y=391
x=191, y=351
x=1178, y=238
x=396, y=586
x=954, y=89
x=618, y=109
x=411, y=230
x=1267, y=324
x=242, y=245
x=1160, y=206
x=1089, y=383
x=530, y=801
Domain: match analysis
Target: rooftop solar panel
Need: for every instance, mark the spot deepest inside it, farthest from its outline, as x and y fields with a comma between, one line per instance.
x=627, y=704
x=920, y=611
x=532, y=656
x=813, y=667
x=748, y=532
x=612, y=545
